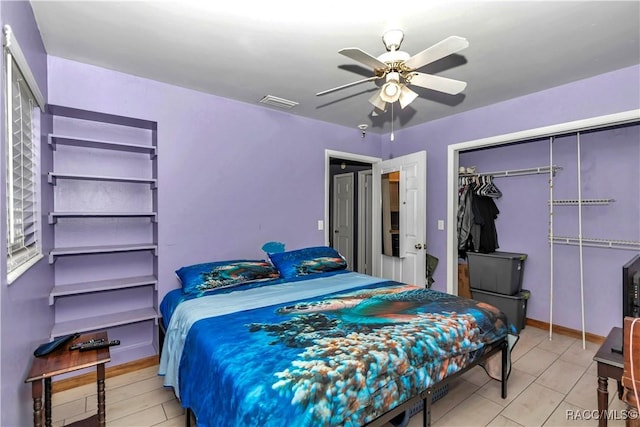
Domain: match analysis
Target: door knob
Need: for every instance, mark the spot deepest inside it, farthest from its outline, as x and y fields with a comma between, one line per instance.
x=418, y=246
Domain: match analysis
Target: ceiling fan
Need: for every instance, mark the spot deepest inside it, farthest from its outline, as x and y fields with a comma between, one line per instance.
x=398, y=69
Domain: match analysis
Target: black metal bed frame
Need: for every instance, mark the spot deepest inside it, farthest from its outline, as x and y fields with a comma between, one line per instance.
x=425, y=396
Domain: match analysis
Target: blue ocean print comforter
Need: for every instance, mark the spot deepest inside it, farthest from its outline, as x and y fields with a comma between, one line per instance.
x=337, y=358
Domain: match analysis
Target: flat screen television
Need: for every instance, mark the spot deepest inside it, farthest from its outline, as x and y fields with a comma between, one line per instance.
x=630, y=290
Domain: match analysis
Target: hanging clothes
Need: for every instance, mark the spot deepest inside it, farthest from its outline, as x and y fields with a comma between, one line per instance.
x=465, y=216
x=477, y=213
x=485, y=235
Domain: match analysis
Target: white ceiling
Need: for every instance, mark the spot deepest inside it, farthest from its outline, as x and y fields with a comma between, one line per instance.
x=245, y=50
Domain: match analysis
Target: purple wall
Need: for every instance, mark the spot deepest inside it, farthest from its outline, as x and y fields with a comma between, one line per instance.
x=26, y=315
x=232, y=176
x=605, y=94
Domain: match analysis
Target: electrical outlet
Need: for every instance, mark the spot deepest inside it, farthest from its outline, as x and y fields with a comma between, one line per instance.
x=441, y=224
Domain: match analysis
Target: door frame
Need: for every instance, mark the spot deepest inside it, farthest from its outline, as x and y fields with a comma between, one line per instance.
x=332, y=154
x=365, y=234
x=453, y=152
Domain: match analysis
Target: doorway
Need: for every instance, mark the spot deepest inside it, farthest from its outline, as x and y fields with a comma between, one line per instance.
x=352, y=208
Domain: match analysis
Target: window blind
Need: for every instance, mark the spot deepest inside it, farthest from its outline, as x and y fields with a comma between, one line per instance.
x=23, y=242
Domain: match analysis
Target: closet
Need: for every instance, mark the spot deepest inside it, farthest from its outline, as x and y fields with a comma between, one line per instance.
x=562, y=224
x=581, y=213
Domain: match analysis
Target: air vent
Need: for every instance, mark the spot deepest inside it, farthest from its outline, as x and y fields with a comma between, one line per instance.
x=278, y=102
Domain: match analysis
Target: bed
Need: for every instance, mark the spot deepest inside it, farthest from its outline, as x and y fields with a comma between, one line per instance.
x=306, y=342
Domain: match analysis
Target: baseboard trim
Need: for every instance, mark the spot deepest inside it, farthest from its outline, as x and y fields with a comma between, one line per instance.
x=562, y=330
x=111, y=371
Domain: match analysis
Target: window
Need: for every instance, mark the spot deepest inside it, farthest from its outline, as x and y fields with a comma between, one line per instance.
x=22, y=163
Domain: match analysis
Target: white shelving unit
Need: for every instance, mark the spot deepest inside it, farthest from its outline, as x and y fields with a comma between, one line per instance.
x=580, y=240
x=104, y=181
x=575, y=202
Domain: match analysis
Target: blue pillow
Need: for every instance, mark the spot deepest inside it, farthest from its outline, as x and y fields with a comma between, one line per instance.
x=203, y=277
x=302, y=262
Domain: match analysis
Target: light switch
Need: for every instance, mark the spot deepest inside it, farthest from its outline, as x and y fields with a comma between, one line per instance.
x=320, y=224
x=441, y=224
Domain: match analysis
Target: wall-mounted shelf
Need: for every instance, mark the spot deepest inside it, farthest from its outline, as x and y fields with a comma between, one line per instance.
x=55, y=140
x=101, y=285
x=54, y=176
x=53, y=216
x=107, y=249
x=584, y=202
x=104, y=321
x=516, y=172
x=85, y=297
x=597, y=243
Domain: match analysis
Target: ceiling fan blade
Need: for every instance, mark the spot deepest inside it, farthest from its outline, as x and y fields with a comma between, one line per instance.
x=363, y=57
x=406, y=96
x=441, y=84
x=377, y=102
x=439, y=50
x=368, y=79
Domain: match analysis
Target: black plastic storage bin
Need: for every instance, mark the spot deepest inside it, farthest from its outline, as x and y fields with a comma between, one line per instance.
x=499, y=272
x=513, y=306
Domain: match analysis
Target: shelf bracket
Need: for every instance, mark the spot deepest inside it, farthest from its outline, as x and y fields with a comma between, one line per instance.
x=52, y=142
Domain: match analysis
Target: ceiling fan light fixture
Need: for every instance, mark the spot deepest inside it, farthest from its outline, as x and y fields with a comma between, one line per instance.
x=377, y=101
x=390, y=91
x=406, y=96
x=398, y=68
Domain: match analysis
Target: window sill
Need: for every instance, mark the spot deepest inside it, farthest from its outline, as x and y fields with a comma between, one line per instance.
x=11, y=277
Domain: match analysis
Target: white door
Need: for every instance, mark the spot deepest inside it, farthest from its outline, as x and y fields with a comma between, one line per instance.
x=410, y=265
x=343, y=216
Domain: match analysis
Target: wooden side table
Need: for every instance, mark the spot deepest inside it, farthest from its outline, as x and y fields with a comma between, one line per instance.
x=610, y=365
x=62, y=361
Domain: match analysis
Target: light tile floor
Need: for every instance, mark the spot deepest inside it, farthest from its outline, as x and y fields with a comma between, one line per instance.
x=549, y=381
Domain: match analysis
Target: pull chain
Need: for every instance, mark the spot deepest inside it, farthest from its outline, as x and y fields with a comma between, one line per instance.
x=392, y=136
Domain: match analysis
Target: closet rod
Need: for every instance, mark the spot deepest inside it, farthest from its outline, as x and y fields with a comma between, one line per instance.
x=518, y=172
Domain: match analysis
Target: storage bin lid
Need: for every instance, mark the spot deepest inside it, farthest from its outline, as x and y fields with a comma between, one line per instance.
x=522, y=295
x=508, y=255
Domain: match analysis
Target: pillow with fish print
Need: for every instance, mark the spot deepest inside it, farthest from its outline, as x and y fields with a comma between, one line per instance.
x=204, y=277
x=302, y=262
